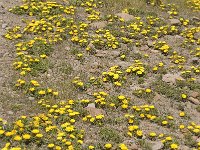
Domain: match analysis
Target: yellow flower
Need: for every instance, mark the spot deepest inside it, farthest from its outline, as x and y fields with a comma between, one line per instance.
x=43, y=56
x=139, y=133
x=181, y=114
x=181, y=127
x=148, y=90
x=2, y=132
x=184, y=96
x=152, y=134
x=168, y=138
x=41, y=92
x=91, y=147
x=164, y=122
x=17, y=138
x=123, y=147
x=39, y=135
x=50, y=145
x=15, y=148
x=108, y=146
x=92, y=119
x=26, y=136
x=58, y=148
x=35, y=131
x=174, y=146
x=121, y=97
x=55, y=93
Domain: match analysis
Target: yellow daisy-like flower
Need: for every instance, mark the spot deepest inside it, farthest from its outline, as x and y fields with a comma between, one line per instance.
x=182, y=114
x=17, y=138
x=174, y=146
x=108, y=146
x=26, y=136
x=184, y=96
x=50, y=145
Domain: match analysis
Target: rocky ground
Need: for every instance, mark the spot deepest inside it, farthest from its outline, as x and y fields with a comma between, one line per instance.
x=99, y=75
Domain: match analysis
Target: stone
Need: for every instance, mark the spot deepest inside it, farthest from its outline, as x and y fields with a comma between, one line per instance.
x=123, y=64
x=194, y=100
x=197, y=36
x=4, y=25
x=195, y=60
x=10, y=112
x=196, y=19
x=95, y=111
x=179, y=37
x=114, y=53
x=67, y=48
x=2, y=53
x=144, y=48
x=171, y=78
x=99, y=25
x=194, y=94
x=184, y=147
x=175, y=22
x=131, y=144
x=100, y=53
x=157, y=145
x=157, y=97
x=91, y=45
x=198, y=140
x=31, y=98
x=92, y=105
x=125, y=16
x=150, y=43
x=154, y=51
x=135, y=87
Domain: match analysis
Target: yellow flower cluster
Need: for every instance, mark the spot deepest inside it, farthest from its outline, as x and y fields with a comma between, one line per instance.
x=162, y=46
x=13, y=33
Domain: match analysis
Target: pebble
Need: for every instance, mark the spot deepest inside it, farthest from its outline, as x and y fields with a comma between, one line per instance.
x=31, y=98
x=194, y=100
x=10, y=112
x=157, y=145
x=4, y=25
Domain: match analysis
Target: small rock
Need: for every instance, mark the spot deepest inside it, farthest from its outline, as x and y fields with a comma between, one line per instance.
x=157, y=145
x=99, y=25
x=114, y=53
x=198, y=140
x=10, y=112
x=197, y=36
x=194, y=100
x=195, y=19
x=184, y=147
x=95, y=111
x=194, y=94
x=144, y=48
x=131, y=144
x=100, y=53
x=2, y=53
x=122, y=64
x=67, y=48
x=179, y=37
x=135, y=87
x=150, y=43
x=195, y=60
x=4, y=25
x=157, y=97
x=91, y=45
x=171, y=78
x=92, y=105
x=154, y=51
x=125, y=16
x=174, y=22
x=31, y=98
